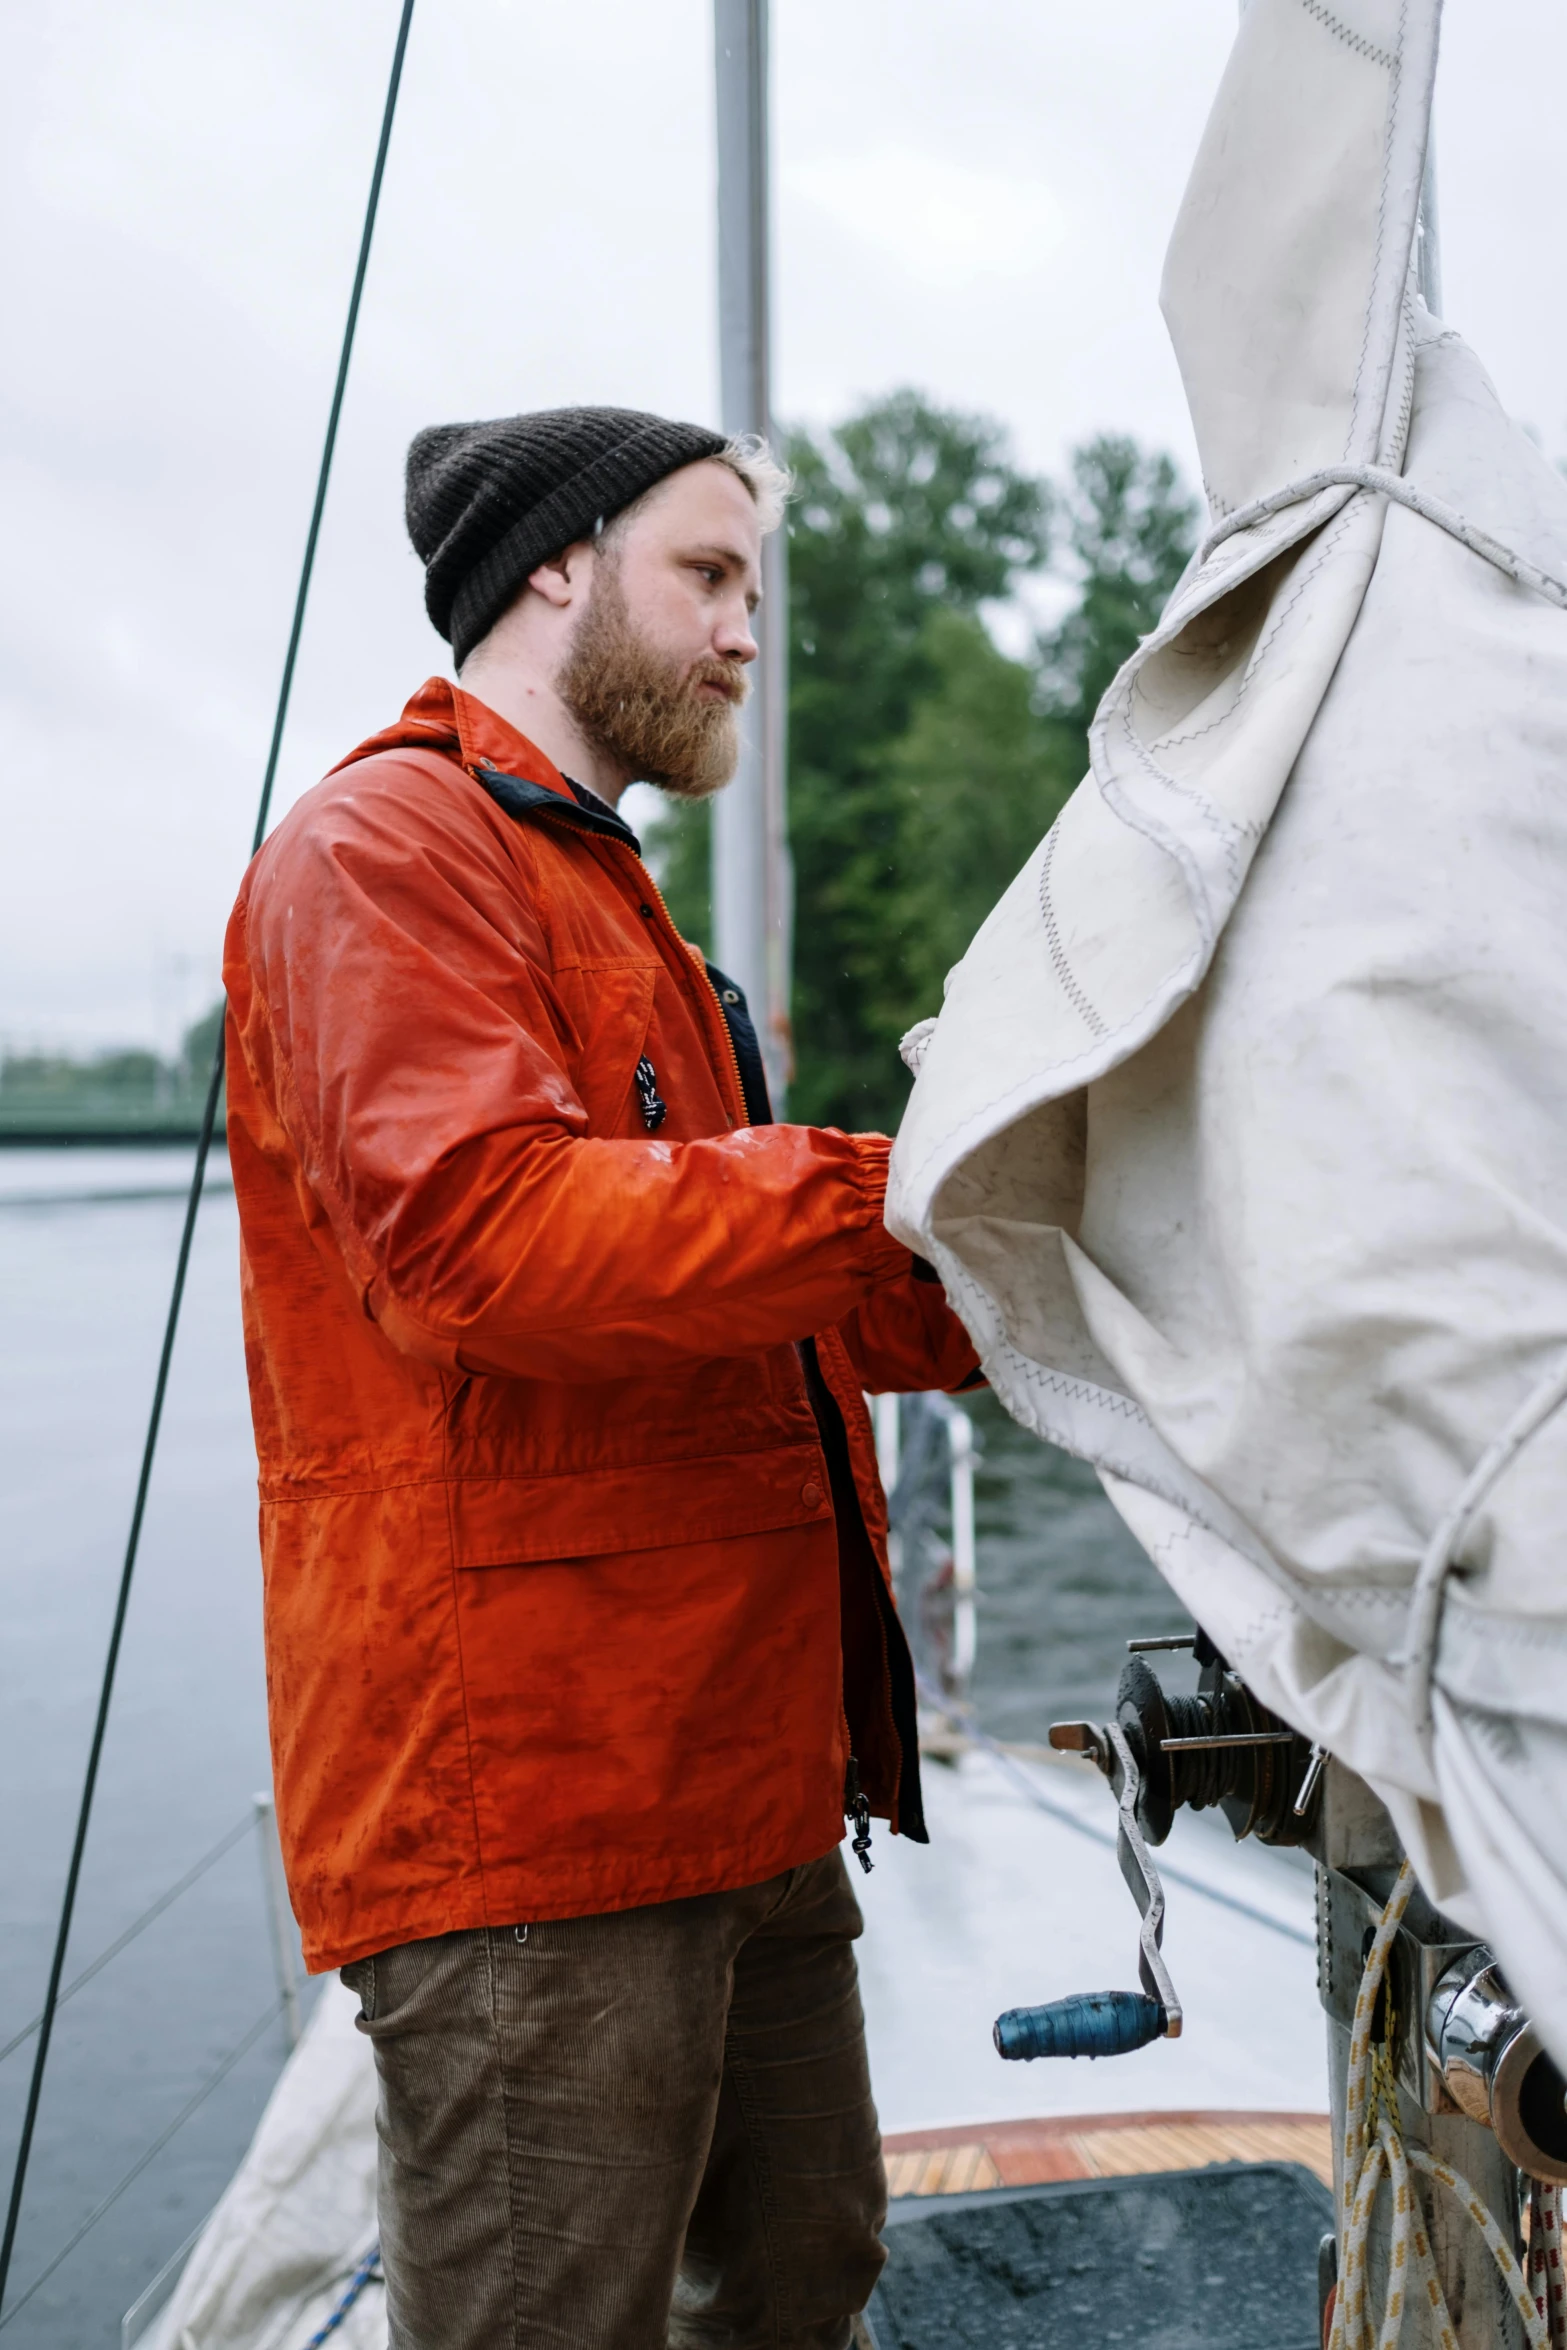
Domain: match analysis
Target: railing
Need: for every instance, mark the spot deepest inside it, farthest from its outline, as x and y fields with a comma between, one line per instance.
x=99, y=1114
x=927, y=1452
x=259, y=1821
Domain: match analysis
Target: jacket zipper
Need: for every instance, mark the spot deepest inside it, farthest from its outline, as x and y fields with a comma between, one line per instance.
x=857, y=1811
x=856, y=1805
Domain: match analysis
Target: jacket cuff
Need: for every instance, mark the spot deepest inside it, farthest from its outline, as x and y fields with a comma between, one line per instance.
x=884, y=1258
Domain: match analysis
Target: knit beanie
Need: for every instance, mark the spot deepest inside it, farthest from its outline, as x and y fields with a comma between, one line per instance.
x=488, y=503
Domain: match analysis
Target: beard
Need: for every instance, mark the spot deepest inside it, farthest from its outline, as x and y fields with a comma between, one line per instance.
x=643, y=709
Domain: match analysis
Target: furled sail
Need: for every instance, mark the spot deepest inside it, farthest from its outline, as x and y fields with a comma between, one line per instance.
x=1241, y=1139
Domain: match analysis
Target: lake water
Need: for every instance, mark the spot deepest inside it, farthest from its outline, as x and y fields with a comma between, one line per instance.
x=87, y=1249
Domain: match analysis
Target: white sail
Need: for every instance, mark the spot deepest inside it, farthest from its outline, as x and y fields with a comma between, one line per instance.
x=1241, y=1139
x=274, y=2261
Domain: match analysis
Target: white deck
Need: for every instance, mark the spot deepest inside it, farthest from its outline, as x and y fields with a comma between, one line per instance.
x=1007, y=1905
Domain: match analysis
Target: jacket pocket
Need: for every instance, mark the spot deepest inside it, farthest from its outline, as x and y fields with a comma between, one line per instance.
x=510, y=1521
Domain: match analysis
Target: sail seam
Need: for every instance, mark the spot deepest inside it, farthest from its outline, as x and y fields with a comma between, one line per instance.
x=1350, y=38
x=1053, y=940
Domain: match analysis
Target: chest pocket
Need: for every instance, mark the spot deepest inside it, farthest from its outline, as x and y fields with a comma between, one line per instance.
x=617, y=1014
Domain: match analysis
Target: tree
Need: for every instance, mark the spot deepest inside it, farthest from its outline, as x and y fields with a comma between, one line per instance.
x=905, y=512
x=924, y=765
x=907, y=515
x=979, y=778
x=1131, y=527
x=198, y=1045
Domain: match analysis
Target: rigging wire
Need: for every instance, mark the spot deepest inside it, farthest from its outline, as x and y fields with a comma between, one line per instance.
x=149, y=1916
x=192, y=2105
x=193, y=1203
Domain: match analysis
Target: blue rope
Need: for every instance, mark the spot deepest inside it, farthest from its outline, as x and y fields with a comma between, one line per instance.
x=364, y=2274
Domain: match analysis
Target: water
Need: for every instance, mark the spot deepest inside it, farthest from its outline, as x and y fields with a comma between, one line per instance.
x=83, y=1286
x=82, y=1293
x=1062, y=1586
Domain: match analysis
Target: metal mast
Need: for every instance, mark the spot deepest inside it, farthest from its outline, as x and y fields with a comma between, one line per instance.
x=752, y=894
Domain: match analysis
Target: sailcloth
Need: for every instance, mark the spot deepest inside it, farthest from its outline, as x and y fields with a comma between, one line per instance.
x=275, y=2260
x=1241, y=1139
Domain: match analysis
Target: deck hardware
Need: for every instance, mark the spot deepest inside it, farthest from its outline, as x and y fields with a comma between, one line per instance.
x=1079, y=1738
x=1227, y=1738
x=1220, y=1746
x=1308, y=1786
x=1108, y=2023
x=1493, y=2066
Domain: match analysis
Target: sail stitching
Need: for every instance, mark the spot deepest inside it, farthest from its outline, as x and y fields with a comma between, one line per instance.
x=1326, y=545
x=1350, y=38
x=1053, y=940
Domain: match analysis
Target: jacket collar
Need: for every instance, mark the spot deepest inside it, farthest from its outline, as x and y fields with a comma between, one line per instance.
x=513, y=770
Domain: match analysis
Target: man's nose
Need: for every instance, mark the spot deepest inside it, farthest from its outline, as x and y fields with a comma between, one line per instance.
x=733, y=640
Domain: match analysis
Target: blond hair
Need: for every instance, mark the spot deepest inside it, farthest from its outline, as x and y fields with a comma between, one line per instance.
x=746, y=454
x=771, y=485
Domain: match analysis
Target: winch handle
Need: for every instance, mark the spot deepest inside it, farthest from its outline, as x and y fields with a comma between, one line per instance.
x=1107, y=2023
x=1089, y=2023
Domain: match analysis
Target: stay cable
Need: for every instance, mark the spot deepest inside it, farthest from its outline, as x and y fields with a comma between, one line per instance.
x=193, y=1202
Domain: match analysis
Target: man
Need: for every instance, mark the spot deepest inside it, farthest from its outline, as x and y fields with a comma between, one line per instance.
x=579, y=1635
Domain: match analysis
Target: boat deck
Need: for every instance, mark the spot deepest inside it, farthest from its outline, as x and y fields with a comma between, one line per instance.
x=1100, y=2146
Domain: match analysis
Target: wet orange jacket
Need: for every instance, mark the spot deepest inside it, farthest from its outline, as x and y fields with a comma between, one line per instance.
x=575, y=1561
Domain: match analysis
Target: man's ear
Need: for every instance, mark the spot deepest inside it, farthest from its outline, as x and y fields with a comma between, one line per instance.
x=563, y=579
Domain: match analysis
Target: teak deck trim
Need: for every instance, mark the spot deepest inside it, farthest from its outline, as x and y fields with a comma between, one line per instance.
x=1097, y=2146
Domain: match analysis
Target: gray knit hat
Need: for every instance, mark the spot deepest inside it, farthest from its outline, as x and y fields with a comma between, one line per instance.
x=488, y=503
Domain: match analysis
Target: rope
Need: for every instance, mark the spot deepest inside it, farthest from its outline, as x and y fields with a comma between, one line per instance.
x=203, y=1149
x=1545, y=2258
x=1383, y=484
x=364, y=2274
x=1469, y=2200
x=192, y=2105
x=1373, y=2149
x=1424, y=1620
x=155, y=1910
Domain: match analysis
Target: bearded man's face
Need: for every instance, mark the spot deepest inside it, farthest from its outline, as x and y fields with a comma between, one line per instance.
x=665, y=721
x=655, y=672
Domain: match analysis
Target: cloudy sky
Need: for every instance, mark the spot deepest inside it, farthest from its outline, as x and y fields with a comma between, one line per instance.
x=971, y=198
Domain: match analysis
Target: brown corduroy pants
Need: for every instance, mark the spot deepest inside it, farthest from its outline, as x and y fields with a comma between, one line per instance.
x=624, y=2132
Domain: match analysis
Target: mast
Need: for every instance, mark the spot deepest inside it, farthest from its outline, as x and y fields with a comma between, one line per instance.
x=753, y=909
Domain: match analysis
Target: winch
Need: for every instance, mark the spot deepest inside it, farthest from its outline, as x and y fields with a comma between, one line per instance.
x=1164, y=1751
x=1435, y=2068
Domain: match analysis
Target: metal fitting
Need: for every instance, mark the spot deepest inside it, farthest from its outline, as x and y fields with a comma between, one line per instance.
x=1492, y=2065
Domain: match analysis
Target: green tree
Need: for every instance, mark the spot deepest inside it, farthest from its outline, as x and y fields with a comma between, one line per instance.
x=907, y=515
x=904, y=510
x=1130, y=529
x=979, y=777
x=924, y=764
x=197, y=1047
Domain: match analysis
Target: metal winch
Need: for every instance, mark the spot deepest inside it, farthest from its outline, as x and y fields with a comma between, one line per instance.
x=1220, y=1747
x=1477, y=2104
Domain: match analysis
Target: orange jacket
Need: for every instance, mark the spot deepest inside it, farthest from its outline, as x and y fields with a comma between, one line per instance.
x=574, y=1601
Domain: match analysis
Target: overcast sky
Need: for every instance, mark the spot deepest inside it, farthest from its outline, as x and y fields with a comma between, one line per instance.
x=972, y=198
